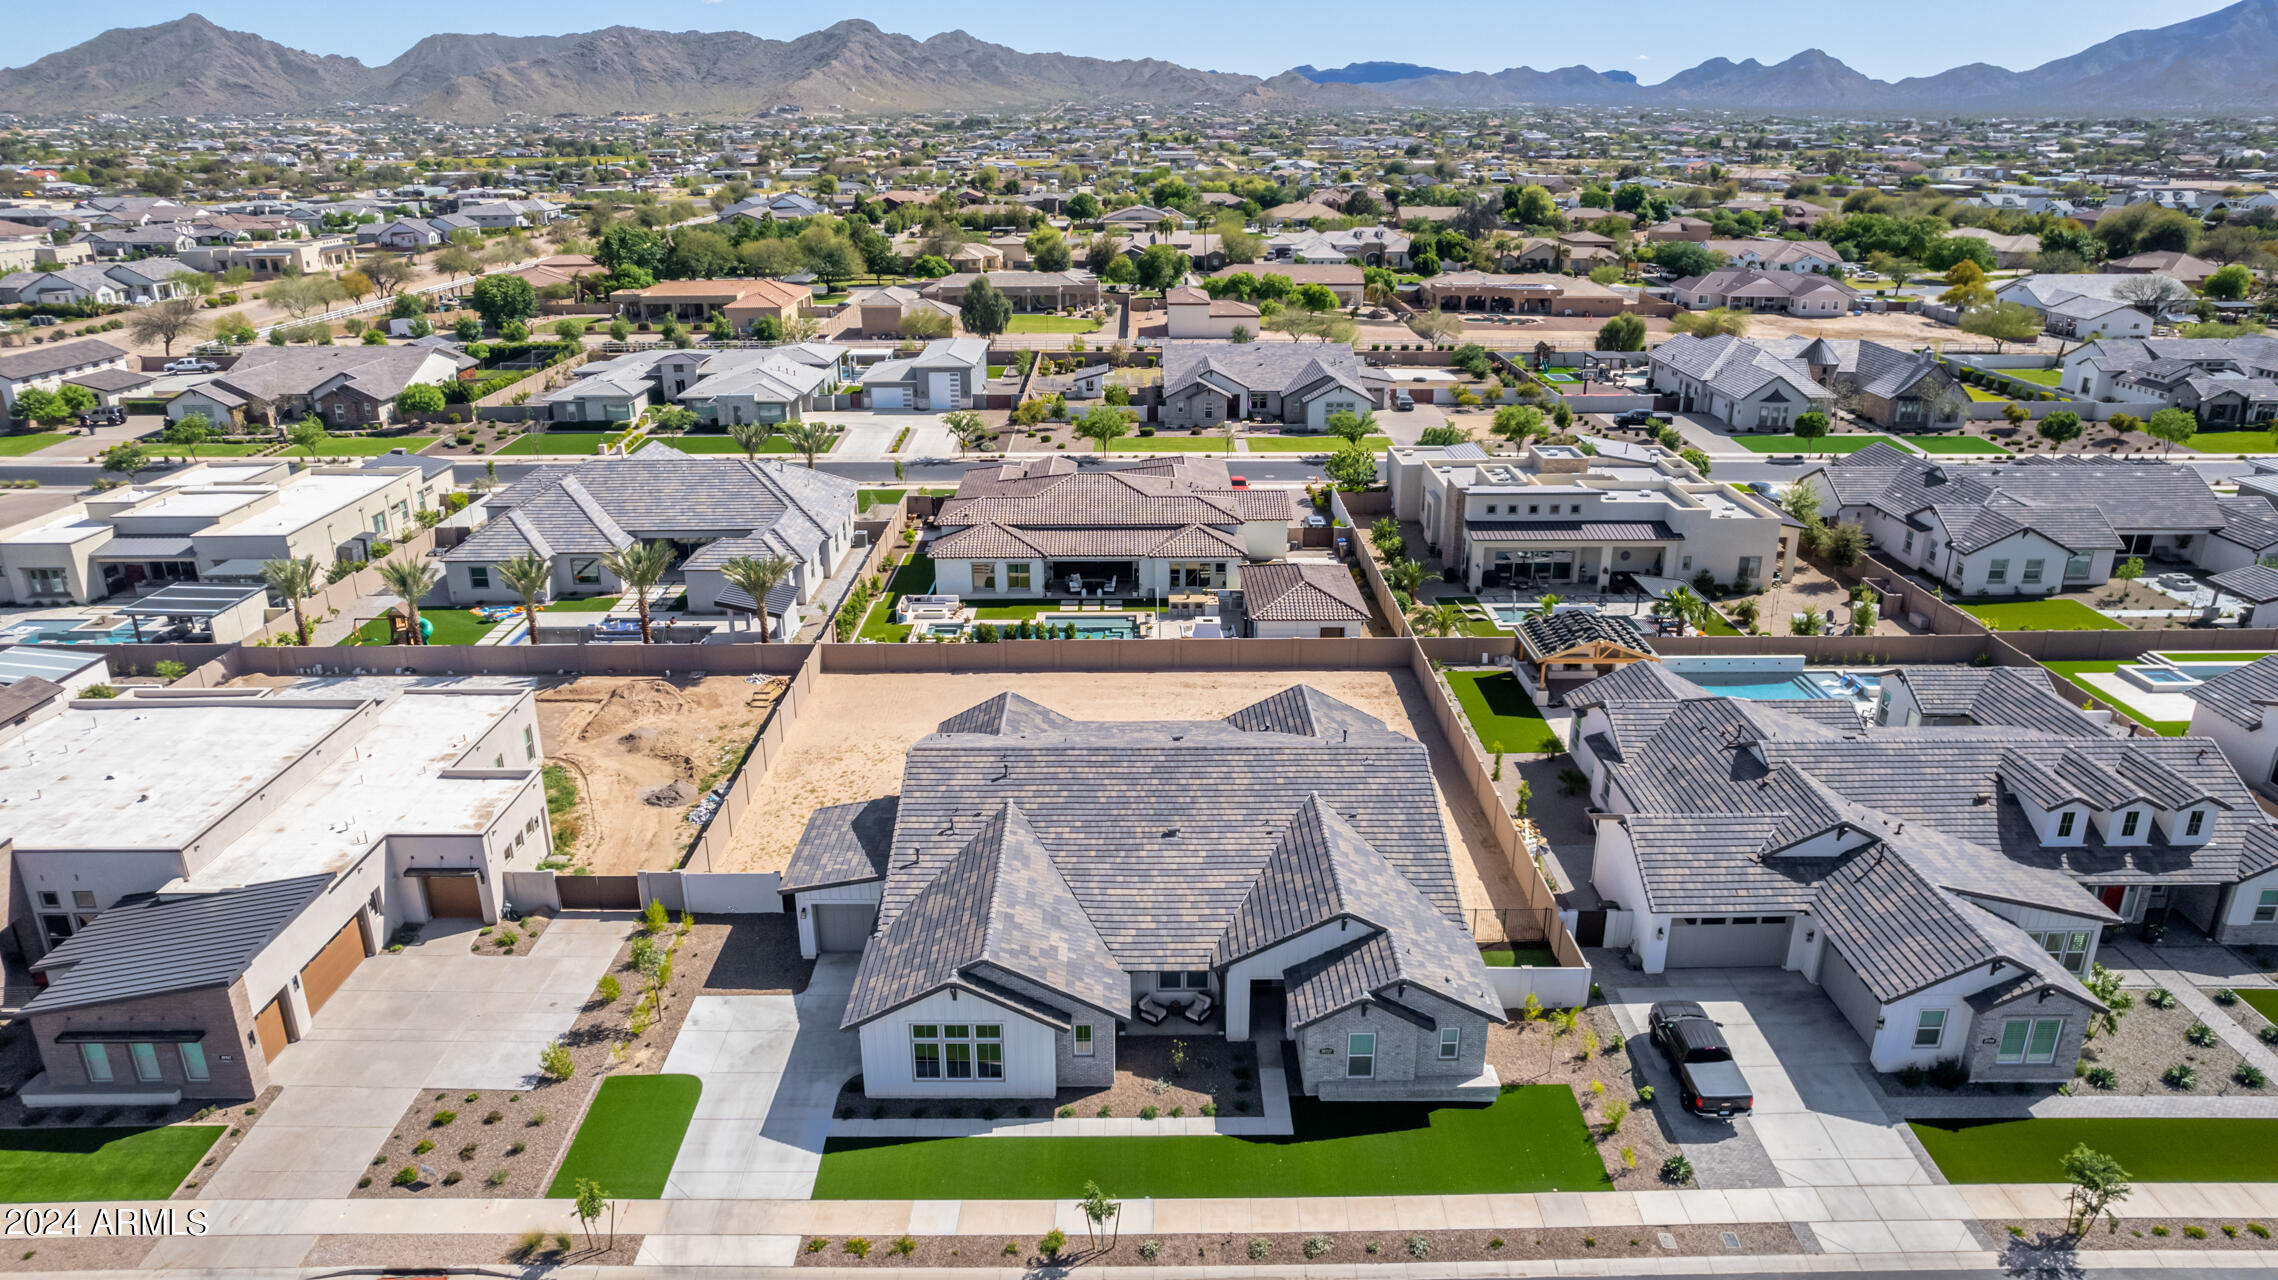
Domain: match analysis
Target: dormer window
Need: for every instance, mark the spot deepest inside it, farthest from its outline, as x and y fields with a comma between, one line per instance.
x=2130, y=822
x=2195, y=823
x=2066, y=823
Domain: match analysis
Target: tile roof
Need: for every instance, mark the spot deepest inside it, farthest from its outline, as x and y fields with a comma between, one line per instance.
x=1302, y=591
x=161, y=945
x=842, y=844
x=2244, y=695
x=737, y=507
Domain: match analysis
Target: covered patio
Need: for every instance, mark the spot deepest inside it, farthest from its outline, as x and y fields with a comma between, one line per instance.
x=1584, y=554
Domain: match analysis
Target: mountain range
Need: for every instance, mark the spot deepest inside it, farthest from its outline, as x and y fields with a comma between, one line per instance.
x=2222, y=62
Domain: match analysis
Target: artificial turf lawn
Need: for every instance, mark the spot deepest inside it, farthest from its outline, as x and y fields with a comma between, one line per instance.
x=1211, y=443
x=2151, y=1150
x=1515, y=957
x=17, y=446
x=1958, y=444
x=1051, y=324
x=2074, y=670
x=2038, y=377
x=555, y=443
x=1499, y=708
x=1983, y=396
x=1314, y=444
x=913, y=577
x=1530, y=1139
x=100, y=1164
x=1486, y=627
x=2193, y=655
x=161, y=449
x=587, y=604
x=2042, y=615
x=360, y=446
x=1797, y=444
x=452, y=626
x=2262, y=1000
x=867, y=498
x=727, y=444
x=630, y=1137
x=2233, y=442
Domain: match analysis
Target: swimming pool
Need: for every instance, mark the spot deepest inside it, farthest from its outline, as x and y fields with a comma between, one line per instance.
x=1096, y=626
x=120, y=634
x=1790, y=687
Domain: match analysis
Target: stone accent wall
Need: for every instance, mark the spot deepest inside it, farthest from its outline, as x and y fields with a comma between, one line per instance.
x=1405, y=1052
x=1985, y=1040
x=1070, y=1070
x=233, y=1051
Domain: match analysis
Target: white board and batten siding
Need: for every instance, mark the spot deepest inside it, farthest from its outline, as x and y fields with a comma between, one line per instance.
x=1031, y=1064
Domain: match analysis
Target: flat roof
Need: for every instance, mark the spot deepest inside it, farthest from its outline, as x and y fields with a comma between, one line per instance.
x=58, y=664
x=209, y=503
x=191, y=600
x=309, y=499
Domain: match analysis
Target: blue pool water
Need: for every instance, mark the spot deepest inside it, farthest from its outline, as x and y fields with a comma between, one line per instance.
x=1095, y=626
x=1760, y=688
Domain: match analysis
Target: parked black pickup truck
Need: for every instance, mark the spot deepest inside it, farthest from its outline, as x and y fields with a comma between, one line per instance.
x=1709, y=1082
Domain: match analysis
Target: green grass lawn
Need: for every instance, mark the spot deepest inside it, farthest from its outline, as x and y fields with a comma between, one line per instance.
x=1797, y=444
x=1513, y=957
x=1983, y=396
x=555, y=443
x=359, y=446
x=1530, y=1139
x=452, y=626
x=2151, y=1150
x=1052, y=324
x=1957, y=444
x=2262, y=1000
x=587, y=604
x=630, y=1137
x=2041, y=615
x=2233, y=442
x=2038, y=377
x=867, y=498
x=998, y=370
x=707, y=443
x=1499, y=709
x=1717, y=626
x=2193, y=655
x=161, y=449
x=30, y=442
x=100, y=1164
x=2073, y=671
x=913, y=577
x=1312, y=444
x=1474, y=626
x=1212, y=442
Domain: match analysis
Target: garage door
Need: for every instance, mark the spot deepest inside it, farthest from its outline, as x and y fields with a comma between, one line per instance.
x=453, y=897
x=270, y=1025
x=843, y=926
x=1697, y=941
x=323, y=975
x=890, y=398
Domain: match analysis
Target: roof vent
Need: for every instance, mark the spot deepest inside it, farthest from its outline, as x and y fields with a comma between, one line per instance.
x=1170, y=833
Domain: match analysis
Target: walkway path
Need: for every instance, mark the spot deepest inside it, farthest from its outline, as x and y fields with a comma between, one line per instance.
x=331, y=631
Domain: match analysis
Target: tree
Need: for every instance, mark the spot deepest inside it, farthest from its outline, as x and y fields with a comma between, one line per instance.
x=1047, y=251
x=128, y=459
x=43, y=407
x=300, y=295
x=1802, y=502
x=2004, y=322
x=1846, y=543
x=591, y=1200
x=1352, y=468
x=1810, y=425
x=1698, y=459
x=1944, y=253
x=500, y=299
x=2151, y=293
x=2230, y=284
x=985, y=312
x=1710, y=323
x=467, y=329
x=749, y=436
x=1351, y=428
x=1160, y=266
x=1240, y=335
x=1120, y=271
x=356, y=284
x=387, y=275
x=967, y=427
x=419, y=397
x=2171, y=427
x=758, y=577
x=570, y=329
x=2059, y=427
x=1098, y=1209
x=629, y=244
x=75, y=399
x=530, y=577
x=409, y=580
x=931, y=266
x=1625, y=332
x=295, y=580
x=307, y=435
x=1518, y=423
x=1436, y=326
x=166, y=322
x=1531, y=206
x=673, y=420
x=1083, y=207
x=1440, y=620
x=1102, y=425
x=189, y=431
x=639, y=566
x=2098, y=1183
x=810, y=438
x=1686, y=259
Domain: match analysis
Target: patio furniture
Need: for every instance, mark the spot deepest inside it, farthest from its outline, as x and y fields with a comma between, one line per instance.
x=1109, y=589
x=1198, y=1010
x=1150, y=1012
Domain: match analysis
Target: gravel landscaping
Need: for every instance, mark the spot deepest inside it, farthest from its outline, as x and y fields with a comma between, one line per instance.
x=477, y=1251
x=1326, y=1249
x=509, y=938
x=1540, y=1053
x=2214, y=1235
x=49, y=1254
x=2148, y=1043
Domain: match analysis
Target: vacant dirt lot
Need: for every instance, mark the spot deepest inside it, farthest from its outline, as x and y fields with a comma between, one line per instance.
x=850, y=738
x=642, y=753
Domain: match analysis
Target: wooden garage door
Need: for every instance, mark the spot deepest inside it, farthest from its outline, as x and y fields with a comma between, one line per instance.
x=270, y=1025
x=323, y=975
x=454, y=897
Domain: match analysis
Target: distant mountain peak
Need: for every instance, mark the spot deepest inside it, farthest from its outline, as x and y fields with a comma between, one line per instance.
x=1368, y=72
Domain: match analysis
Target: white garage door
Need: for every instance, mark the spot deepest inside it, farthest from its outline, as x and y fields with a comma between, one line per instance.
x=1698, y=941
x=843, y=926
x=890, y=398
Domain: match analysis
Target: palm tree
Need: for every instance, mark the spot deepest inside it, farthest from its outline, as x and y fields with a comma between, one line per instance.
x=1683, y=604
x=759, y=577
x=409, y=580
x=1546, y=606
x=639, y=566
x=1405, y=576
x=295, y=580
x=527, y=576
x=810, y=438
x=1440, y=619
x=749, y=436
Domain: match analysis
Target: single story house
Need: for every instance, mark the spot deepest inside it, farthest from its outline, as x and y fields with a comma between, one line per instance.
x=946, y=375
x=1295, y=383
x=1746, y=383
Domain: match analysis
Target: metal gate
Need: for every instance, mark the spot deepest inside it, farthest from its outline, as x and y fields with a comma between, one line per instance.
x=1589, y=928
x=599, y=893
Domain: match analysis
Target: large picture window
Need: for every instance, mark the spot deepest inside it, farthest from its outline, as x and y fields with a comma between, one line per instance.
x=957, y=1051
x=2029, y=1040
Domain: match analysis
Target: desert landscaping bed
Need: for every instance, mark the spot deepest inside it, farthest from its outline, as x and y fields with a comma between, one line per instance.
x=1286, y=1249
x=46, y=1254
x=1541, y=1052
x=724, y=955
x=1217, y=1078
x=556, y=1250
x=2213, y=1234
x=510, y=937
x=2148, y=1043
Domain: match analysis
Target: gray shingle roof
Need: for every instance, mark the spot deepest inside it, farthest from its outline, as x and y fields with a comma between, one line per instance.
x=160, y=945
x=1302, y=591
x=843, y=844
x=741, y=507
x=2257, y=583
x=2244, y=695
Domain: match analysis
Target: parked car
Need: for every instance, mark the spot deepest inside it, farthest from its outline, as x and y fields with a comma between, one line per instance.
x=191, y=364
x=1709, y=1082
x=1238, y=482
x=107, y=415
x=1640, y=418
x=1401, y=400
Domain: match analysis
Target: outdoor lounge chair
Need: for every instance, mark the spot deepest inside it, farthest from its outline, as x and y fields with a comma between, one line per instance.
x=1198, y=1011
x=1150, y=1012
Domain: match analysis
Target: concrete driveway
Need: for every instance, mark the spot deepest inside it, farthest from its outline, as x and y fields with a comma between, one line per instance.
x=871, y=435
x=433, y=1016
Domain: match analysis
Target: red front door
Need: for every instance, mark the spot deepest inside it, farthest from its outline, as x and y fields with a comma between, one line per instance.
x=2113, y=895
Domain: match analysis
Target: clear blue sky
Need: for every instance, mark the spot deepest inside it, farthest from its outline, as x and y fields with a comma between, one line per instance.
x=1653, y=38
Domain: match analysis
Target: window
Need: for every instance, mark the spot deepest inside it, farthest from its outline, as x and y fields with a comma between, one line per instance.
x=984, y=575
x=2129, y=821
x=1750, y=566
x=529, y=743
x=145, y=1060
x=2266, y=907
x=84, y=899
x=1175, y=980
x=1929, y=1028
x=478, y=577
x=1084, y=1048
x=97, y=1060
x=2068, y=948
x=193, y=1061
x=957, y=1051
x=2032, y=1040
x=1574, y=510
x=2032, y=571
x=1534, y=508
x=1451, y=1043
x=1999, y=572
x=1016, y=576
x=2065, y=823
x=1908, y=545
x=380, y=523
x=925, y=1052
x=49, y=898
x=1360, y=1055
x=989, y=1052
x=585, y=572
x=2195, y=823
x=48, y=582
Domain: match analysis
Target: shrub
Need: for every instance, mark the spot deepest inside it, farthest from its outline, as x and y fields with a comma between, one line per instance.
x=1616, y=1111
x=2180, y=1076
x=442, y=1119
x=517, y=1148
x=1645, y=1095
x=652, y=917
x=817, y=1245
x=2269, y=1034
x=2261, y=1232
x=1315, y=1246
x=859, y=1246
x=2160, y=998
x=1949, y=1073
x=422, y=1147
x=904, y=1246
x=2103, y=1077
x=1419, y=1247
x=2195, y=1233
x=1258, y=1248
x=2226, y=997
x=537, y=1118
x=2159, y=1231
x=405, y=1176
x=1677, y=1169
x=2250, y=1075
x=497, y=1177
x=470, y=1151
x=493, y=1117
x=1053, y=1242
x=1913, y=1074
x=1149, y=1250
x=2200, y=1034
x=1148, y=1112
x=555, y=1061
x=609, y=990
